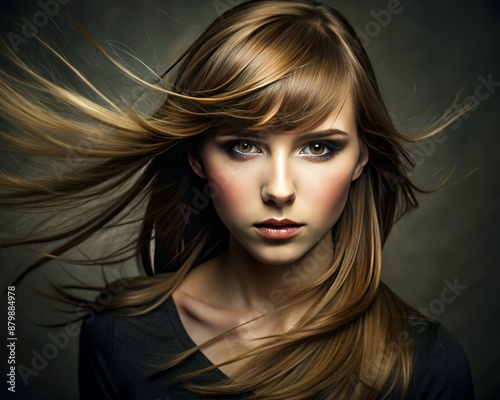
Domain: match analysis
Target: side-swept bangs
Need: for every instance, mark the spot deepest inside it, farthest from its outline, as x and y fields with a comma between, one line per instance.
x=285, y=73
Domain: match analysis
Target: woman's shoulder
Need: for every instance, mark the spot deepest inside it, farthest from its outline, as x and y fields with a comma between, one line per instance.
x=119, y=348
x=112, y=324
x=441, y=367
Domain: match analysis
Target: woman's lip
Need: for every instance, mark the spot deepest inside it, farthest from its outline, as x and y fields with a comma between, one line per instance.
x=279, y=232
x=277, y=223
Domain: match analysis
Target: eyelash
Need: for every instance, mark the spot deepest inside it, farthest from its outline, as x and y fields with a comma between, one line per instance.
x=331, y=146
x=230, y=148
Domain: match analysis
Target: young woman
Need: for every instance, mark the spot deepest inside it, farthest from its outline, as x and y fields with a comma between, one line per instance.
x=270, y=177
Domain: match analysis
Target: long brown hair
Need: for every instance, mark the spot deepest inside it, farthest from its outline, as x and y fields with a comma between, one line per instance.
x=301, y=55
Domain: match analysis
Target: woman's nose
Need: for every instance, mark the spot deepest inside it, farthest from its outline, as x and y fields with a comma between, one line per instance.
x=278, y=188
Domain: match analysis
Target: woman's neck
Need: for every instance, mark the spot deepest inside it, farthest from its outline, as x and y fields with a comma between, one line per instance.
x=259, y=286
x=221, y=296
x=236, y=283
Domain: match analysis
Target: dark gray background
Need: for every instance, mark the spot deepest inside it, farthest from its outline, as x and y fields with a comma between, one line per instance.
x=424, y=56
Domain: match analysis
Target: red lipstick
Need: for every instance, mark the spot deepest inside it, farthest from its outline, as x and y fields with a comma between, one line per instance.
x=278, y=229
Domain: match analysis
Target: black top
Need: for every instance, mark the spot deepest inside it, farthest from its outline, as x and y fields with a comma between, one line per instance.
x=118, y=354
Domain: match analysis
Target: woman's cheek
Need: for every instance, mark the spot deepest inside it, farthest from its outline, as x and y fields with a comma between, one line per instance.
x=332, y=197
x=229, y=194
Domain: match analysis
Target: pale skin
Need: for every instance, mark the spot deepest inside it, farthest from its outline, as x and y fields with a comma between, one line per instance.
x=300, y=176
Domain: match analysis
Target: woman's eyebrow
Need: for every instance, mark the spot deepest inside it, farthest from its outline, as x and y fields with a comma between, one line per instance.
x=324, y=133
x=316, y=135
x=243, y=135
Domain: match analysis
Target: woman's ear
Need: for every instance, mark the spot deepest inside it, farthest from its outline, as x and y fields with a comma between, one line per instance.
x=195, y=162
x=362, y=160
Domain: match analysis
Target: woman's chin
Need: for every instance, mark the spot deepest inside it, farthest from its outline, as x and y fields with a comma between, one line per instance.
x=278, y=256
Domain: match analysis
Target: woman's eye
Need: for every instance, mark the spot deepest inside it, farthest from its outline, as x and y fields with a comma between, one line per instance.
x=245, y=147
x=317, y=149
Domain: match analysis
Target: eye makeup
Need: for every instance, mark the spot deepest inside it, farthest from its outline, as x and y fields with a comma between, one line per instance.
x=316, y=150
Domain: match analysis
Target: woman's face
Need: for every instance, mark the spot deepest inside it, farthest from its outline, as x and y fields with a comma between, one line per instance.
x=280, y=193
